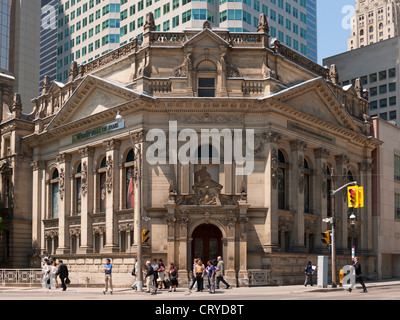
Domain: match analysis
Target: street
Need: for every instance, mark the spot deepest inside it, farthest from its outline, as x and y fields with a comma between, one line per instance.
x=236, y=303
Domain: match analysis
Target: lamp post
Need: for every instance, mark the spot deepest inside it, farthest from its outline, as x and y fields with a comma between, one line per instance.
x=332, y=220
x=352, y=222
x=137, y=212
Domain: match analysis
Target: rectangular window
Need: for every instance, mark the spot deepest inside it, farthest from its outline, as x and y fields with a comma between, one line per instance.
x=206, y=87
x=382, y=89
x=382, y=103
x=397, y=206
x=382, y=75
x=392, y=73
x=372, y=77
x=392, y=101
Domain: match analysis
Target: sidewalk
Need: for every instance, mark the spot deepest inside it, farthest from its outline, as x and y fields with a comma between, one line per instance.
x=183, y=293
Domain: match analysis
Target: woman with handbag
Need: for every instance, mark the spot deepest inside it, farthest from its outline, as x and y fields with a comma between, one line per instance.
x=161, y=273
x=173, y=276
x=46, y=281
x=53, y=276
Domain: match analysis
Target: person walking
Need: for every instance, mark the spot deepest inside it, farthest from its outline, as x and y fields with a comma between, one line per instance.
x=220, y=273
x=62, y=272
x=46, y=271
x=161, y=274
x=107, y=268
x=53, y=276
x=359, y=278
x=198, y=272
x=150, y=278
x=308, y=270
x=193, y=275
x=155, y=267
x=134, y=273
x=173, y=276
x=211, y=276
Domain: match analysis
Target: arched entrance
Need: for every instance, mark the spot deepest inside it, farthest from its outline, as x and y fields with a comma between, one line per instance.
x=207, y=242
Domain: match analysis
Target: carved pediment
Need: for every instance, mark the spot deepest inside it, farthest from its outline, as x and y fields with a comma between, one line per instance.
x=207, y=192
x=93, y=96
x=317, y=99
x=206, y=38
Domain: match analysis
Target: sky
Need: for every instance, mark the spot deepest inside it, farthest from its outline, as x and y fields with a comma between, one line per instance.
x=333, y=26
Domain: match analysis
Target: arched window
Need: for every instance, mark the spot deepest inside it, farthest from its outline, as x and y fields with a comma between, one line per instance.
x=307, y=187
x=130, y=183
x=54, y=194
x=282, y=166
x=361, y=32
x=102, y=179
x=78, y=190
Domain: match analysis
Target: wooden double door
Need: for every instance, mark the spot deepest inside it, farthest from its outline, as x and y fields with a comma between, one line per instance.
x=207, y=243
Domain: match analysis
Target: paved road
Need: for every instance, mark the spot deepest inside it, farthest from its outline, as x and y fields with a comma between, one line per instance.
x=237, y=303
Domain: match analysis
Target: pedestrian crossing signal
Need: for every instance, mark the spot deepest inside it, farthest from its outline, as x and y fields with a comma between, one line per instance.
x=326, y=237
x=145, y=238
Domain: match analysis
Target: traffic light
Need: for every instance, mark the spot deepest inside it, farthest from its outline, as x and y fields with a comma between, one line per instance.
x=360, y=192
x=145, y=238
x=352, y=196
x=326, y=237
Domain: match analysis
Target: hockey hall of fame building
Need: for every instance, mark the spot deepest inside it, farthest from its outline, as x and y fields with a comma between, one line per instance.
x=85, y=174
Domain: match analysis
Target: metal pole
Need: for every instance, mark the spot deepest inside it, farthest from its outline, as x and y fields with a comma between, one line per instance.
x=334, y=283
x=138, y=223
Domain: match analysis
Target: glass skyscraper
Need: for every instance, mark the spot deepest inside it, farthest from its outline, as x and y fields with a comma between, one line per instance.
x=87, y=29
x=5, y=34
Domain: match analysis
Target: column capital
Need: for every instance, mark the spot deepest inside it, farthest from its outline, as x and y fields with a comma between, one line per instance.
x=321, y=153
x=63, y=157
x=86, y=151
x=298, y=145
x=112, y=144
x=38, y=164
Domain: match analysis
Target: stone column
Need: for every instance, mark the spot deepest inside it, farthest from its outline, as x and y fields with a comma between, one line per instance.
x=365, y=214
x=87, y=196
x=342, y=162
x=183, y=247
x=297, y=193
x=243, y=276
x=320, y=188
x=64, y=165
x=112, y=148
x=229, y=259
x=271, y=186
x=38, y=176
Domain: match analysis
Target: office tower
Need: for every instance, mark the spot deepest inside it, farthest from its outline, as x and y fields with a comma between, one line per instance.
x=88, y=29
x=20, y=22
x=48, y=40
x=373, y=21
x=373, y=56
x=5, y=11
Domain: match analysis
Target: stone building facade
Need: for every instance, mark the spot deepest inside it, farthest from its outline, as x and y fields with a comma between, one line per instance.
x=85, y=166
